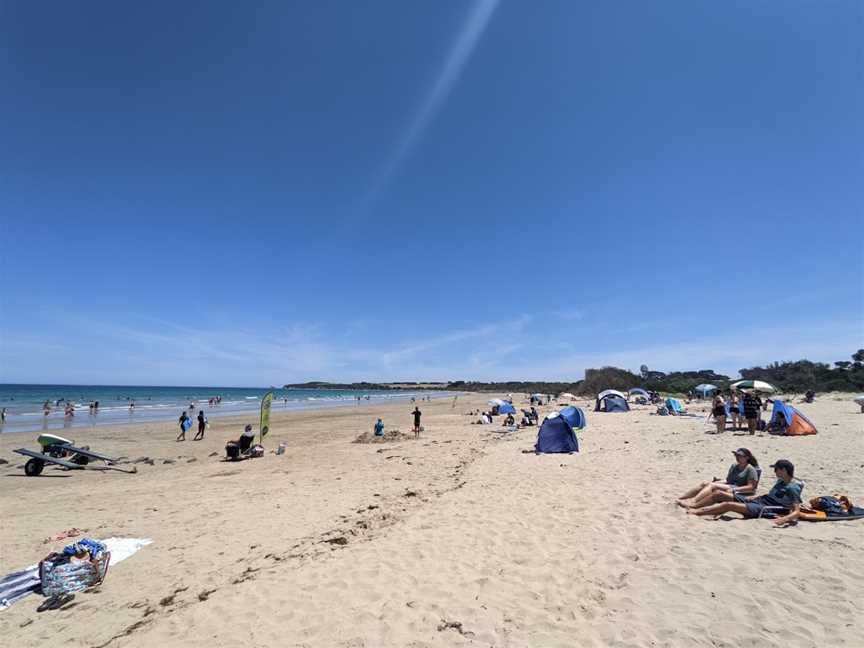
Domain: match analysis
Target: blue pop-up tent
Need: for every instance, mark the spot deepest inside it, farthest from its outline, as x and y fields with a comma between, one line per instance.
x=704, y=389
x=611, y=404
x=674, y=406
x=556, y=435
x=574, y=416
x=506, y=408
x=786, y=419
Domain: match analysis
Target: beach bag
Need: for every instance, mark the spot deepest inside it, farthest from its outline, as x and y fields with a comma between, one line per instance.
x=832, y=505
x=256, y=451
x=79, y=567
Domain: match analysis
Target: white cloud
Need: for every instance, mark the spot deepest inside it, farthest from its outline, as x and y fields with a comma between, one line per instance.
x=519, y=348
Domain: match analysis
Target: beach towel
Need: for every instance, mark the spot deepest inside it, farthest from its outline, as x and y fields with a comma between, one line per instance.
x=23, y=583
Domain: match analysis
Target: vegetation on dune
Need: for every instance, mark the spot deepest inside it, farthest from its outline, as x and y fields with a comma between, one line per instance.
x=797, y=376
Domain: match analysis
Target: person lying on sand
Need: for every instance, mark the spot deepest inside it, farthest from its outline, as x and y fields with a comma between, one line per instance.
x=786, y=493
x=742, y=478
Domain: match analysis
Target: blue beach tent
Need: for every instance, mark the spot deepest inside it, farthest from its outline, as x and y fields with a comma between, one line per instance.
x=614, y=404
x=785, y=419
x=703, y=389
x=674, y=406
x=506, y=408
x=556, y=435
x=574, y=416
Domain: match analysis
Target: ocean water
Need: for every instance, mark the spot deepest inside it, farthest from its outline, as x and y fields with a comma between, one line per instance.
x=24, y=403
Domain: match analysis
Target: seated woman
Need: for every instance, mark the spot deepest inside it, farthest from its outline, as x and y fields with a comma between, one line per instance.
x=379, y=428
x=509, y=420
x=742, y=478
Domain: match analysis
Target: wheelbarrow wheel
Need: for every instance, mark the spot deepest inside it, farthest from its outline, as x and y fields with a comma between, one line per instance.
x=34, y=467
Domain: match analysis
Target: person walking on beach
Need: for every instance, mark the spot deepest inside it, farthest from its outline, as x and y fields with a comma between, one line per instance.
x=3, y=415
x=202, y=425
x=417, y=414
x=182, y=420
x=752, y=405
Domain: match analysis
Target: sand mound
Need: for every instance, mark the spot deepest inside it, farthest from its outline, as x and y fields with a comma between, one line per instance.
x=389, y=437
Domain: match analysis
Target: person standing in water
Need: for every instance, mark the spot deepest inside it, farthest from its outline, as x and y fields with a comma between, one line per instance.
x=202, y=425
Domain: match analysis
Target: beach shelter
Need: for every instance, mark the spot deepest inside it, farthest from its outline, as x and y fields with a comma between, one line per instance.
x=610, y=392
x=612, y=403
x=495, y=401
x=567, y=396
x=790, y=420
x=756, y=385
x=506, y=408
x=574, y=416
x=638, y=391
x=703, y=389
x=674, y=406
x=556, y=435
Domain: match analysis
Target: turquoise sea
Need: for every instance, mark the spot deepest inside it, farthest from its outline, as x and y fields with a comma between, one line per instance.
x=24, y=403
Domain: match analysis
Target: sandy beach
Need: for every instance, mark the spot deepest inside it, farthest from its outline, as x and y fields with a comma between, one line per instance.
x=457, y=538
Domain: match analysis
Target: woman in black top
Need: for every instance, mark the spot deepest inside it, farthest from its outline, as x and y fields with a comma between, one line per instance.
x=718, y=411
x=202, y=424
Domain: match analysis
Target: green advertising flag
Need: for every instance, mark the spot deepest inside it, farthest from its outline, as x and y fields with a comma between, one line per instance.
x=265, y=414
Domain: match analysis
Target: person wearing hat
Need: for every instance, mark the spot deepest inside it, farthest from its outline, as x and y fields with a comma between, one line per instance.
x=742, y=478
x=785, y=494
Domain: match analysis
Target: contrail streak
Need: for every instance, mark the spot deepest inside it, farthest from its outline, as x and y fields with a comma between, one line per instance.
x=457, y=58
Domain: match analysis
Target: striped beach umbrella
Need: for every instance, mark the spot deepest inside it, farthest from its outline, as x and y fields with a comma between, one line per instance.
x=755, y=385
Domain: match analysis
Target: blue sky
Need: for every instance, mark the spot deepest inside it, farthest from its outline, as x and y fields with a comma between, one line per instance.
x=225, y=193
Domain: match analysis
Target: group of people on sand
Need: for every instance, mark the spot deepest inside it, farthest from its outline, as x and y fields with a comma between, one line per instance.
x=737, y=494
x=202, y=425
x=748, y=401
x=378, y=428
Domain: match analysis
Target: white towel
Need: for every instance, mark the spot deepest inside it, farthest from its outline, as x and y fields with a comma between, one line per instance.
x=17, y=585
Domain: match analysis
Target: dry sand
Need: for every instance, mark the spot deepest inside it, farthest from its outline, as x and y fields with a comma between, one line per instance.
x=458, y=538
